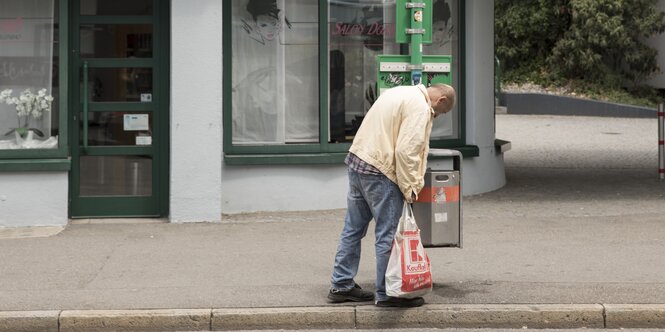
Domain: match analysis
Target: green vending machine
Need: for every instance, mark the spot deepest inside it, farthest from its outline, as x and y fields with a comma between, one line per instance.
x=413, y=25
x=396, y=70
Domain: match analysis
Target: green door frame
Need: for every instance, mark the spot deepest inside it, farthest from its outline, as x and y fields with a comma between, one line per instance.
x=155, y=205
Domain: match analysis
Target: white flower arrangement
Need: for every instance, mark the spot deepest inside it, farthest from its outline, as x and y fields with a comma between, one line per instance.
x=28, y=105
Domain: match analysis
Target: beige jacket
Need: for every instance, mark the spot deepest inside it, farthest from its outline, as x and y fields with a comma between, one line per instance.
x=394, y=136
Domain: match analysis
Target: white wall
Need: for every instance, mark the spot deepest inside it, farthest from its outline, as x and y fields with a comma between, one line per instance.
x=33, y=199
x=283, y=188
x=196, y=110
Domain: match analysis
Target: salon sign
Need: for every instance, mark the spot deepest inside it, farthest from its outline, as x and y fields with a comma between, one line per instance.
x=10, y=29
x=358, y=29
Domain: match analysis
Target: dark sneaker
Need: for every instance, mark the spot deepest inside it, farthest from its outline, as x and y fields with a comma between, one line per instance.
x=401, y=302
x=356, y=294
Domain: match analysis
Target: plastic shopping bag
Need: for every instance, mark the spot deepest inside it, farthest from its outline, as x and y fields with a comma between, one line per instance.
x=409, y=271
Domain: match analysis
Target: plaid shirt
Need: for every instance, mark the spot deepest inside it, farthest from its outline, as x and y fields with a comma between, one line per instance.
x=360, y=166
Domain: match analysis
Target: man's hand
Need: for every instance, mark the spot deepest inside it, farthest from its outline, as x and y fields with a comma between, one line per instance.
x=411, y=198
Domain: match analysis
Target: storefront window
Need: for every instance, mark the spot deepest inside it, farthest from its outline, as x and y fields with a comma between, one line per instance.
x=28, y=74
x=445, y=41
x=359, y=30
x=302, y=74
x=275, y=72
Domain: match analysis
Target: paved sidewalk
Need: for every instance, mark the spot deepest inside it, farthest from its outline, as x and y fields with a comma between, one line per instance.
x=575, y=239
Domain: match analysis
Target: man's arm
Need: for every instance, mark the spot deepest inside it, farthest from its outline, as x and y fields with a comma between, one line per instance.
x=409, y=153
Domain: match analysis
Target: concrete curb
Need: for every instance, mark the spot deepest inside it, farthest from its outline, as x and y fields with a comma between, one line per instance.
x=19, y=321
x=635, y=316
x=552, y=316
x=484, y=316
x=284, y=318
x=135, y=320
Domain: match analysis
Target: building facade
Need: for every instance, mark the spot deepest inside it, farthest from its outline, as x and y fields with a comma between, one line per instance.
x=189, y=111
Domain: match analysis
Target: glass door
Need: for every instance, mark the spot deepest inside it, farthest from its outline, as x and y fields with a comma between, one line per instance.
x=120, y=119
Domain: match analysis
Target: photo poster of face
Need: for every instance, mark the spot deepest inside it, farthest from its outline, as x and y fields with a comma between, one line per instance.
x=265, y=21
x=275, y=83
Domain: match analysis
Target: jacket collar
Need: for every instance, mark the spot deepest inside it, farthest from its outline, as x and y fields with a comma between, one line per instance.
x=429, y=102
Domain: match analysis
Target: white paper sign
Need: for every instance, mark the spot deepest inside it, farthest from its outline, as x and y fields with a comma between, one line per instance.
x=136, y=122
x=146, y=97
x=143, y=140
x=441, y=217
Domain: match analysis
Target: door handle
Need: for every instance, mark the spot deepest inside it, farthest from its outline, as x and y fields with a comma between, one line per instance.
x=85, y=106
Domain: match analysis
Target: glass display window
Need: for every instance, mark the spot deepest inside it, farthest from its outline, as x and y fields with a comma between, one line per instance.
x=300, y=75
x=275, y=76
x=29, y=84
x=359, y=31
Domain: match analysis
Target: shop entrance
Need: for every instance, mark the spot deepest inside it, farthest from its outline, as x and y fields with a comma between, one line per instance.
x=119, y=108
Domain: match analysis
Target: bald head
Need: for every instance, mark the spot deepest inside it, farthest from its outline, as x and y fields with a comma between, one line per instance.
x=442, y=97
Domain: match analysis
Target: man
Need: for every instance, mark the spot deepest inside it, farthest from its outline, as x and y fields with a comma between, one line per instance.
x=386, y=166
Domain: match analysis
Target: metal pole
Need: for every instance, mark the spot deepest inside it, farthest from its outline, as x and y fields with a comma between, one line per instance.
x=661, y=140
x=135, y=177
x=416, y=32
x=85, y=106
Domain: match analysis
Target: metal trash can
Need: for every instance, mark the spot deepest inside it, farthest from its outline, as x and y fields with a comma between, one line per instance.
x=438, y=210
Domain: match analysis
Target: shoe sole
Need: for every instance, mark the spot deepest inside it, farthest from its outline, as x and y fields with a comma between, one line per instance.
x=398, y=306
x=344, y=298
x=383, y=304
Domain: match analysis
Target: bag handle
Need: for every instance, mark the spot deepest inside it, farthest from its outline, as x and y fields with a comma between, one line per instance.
x=407, y=217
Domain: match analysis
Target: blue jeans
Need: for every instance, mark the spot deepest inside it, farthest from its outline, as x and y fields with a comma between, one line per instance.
x=370, y=196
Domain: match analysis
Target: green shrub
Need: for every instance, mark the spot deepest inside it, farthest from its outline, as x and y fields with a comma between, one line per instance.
x=593, y=47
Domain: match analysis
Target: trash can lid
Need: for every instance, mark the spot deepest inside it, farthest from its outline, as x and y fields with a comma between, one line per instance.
x=444, y=153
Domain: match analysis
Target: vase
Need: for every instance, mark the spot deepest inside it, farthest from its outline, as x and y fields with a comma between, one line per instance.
x=24, y=141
